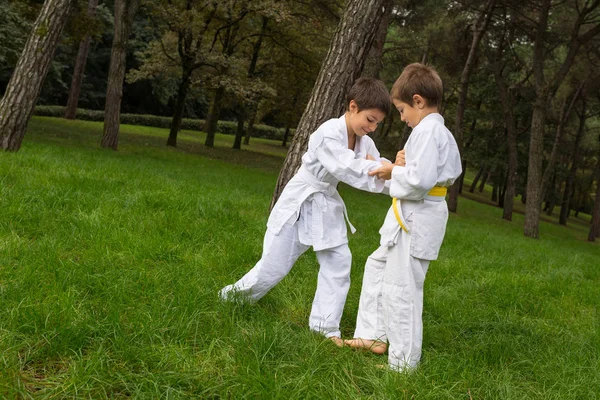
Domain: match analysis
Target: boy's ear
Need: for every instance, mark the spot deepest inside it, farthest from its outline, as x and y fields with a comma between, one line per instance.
x=353, y=106
x=419, y=102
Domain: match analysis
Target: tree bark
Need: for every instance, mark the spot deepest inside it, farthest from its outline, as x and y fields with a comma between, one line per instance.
x=78, y=71
x=182, y=92
x=478, y=30
x=210, y=126
x=124, y=13
x=23, y=89
x=566, y=200
x=343, y=64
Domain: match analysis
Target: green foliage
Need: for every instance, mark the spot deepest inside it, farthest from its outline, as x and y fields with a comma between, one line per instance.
x=15, y=24
x=110, y=263
x=82, y=24
x=224, y=127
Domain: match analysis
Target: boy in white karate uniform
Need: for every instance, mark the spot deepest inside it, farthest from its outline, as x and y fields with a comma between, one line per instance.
x=310, y=211
x=391, y=301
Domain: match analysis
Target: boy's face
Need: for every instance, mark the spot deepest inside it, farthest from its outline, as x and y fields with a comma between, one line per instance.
x=412, y=115
x=364, y=121
x=408, y=114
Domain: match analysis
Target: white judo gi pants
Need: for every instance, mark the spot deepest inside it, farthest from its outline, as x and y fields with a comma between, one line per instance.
x=280, y=252
x=391, y=302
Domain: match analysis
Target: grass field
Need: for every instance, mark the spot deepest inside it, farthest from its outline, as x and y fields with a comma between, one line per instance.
x=110, y=263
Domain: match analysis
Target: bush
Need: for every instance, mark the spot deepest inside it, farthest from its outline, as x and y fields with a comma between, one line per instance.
x=224, y=127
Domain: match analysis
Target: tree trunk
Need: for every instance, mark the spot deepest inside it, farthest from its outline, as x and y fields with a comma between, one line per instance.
x=124, y=12
x=478, y=30
x=251, y=72
x=502, y=195
x=510, y=125
x=595, y=225
x=476, y=179
x=26, y=82
x=566, y=200
x=239, y=134
x=286, y=134
x=182, y=92
x=534, y=171
x=81, y=60
x=551, y=203
x=484, y=180
x=374, y=62
x=467, y=145
x=342, y=65
x=250, y=128
x=565, y=112
x=210, y=126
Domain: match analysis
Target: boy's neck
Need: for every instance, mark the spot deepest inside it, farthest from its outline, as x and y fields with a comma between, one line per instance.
x=427, y=111
x=351, y=135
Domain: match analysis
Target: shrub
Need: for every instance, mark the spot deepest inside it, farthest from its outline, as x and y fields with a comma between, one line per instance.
x=224, y=127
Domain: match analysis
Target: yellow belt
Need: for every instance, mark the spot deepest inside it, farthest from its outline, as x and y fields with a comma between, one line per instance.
x=436, y=191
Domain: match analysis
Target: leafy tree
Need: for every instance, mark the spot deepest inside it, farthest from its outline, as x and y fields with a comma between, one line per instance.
x=479, y=28
x=582, y=28
x=510, y=74
x=343, y=64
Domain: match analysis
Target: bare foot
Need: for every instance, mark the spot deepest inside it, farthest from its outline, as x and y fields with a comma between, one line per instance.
x=375, y=346
x=337, y=340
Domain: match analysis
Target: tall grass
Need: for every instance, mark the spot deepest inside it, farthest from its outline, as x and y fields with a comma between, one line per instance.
x=110, y=263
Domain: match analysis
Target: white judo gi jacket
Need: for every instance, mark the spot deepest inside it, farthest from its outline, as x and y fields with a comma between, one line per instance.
x=432, y=159
x=313, y=190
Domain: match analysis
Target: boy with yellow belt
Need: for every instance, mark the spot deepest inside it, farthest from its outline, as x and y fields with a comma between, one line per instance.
x=391, y=301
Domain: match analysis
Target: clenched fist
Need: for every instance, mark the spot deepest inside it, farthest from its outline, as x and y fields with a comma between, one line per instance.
x=400, y=158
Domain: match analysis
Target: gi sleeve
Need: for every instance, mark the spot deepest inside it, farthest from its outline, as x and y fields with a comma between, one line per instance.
x=419, y=176
x=340, y=162
x=375, y=153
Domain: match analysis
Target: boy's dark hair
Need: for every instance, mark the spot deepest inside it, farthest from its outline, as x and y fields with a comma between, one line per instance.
x=419, y=79
x=369, y=93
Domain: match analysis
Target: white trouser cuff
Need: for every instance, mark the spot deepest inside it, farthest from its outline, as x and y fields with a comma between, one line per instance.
x=326, y=333
x=370, y=335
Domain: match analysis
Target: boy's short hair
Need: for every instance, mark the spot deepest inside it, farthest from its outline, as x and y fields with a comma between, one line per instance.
x=421, y=79
x=369, y=93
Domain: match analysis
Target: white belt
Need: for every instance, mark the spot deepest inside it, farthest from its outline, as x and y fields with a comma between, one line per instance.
x=325, y=188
